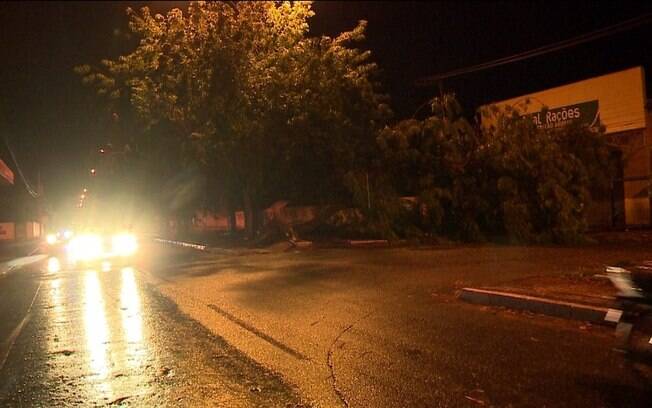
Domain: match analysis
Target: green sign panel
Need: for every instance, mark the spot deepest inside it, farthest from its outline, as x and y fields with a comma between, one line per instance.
x=582, y=114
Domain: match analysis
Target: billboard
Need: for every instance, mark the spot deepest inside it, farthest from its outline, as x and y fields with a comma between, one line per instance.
x=6, y=175
x=582, y=114
x=616, y=100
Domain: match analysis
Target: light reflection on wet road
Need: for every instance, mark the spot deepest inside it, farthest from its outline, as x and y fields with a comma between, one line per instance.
x=99, y=337
x=132, y=322
x=96, y=333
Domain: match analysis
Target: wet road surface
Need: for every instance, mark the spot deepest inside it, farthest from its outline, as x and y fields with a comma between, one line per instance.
x=103, y=337
x=382, y=328
x=337, y=324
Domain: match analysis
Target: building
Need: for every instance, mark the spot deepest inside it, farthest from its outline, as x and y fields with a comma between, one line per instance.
x=7, y=230
x=19, y=218
x=617, y=101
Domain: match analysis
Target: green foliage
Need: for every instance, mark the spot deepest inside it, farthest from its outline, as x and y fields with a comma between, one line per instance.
x=381, y=212
x=430, y=160
x=545, y=177
x=268, y=111
x=508, y=180
x=240, y=91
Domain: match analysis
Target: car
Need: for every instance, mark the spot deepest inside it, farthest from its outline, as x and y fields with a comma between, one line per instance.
x=55, y=242
x=88, y=248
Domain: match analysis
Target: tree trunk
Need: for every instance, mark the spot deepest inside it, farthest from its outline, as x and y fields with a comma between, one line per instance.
x=251, y=222
x=230, y=215
x=183, y=227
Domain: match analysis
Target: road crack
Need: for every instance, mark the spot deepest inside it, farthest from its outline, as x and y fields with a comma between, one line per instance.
x=331, y=364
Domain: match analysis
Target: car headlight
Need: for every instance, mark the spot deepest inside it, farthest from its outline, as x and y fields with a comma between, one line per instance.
x=124, y=244
x=85, y=248
x=51, y=239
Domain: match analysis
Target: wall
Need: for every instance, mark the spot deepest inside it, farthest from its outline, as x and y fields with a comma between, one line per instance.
x=10, y=231
x=205, y=221
x=286, y=215
x=32, y=230
x=7, y=231
x=635, y=150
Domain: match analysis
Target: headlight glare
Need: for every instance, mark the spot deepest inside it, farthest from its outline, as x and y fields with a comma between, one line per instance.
x=85, y=248
x=124, y=244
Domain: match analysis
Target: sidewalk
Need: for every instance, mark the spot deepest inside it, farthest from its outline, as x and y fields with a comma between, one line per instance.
x=588, y=298
x=15, y=249
x=581, y=294
x=15, y=255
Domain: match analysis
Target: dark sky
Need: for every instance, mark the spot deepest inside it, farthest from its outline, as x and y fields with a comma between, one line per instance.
x=54, y=125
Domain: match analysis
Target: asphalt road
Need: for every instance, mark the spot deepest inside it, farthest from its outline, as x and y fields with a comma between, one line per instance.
x=280, y=330
x=383, y=328
x=103, y=337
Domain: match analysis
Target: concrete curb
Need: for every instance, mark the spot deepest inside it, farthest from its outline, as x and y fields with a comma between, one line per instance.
x=550, y=307
x=368, y=243
x=182, y=244
x=301, y=244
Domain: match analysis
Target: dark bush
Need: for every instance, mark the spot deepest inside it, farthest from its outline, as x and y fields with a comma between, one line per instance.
x=506, y=180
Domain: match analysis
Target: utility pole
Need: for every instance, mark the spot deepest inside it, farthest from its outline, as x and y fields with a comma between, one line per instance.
x=40, y=210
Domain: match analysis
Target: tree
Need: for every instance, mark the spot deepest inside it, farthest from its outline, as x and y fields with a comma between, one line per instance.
x=250, y=96
x=433, y=160
x=544, y=177
x=507, y=180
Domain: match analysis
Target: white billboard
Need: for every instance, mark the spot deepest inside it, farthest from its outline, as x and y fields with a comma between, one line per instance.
x=616, y=100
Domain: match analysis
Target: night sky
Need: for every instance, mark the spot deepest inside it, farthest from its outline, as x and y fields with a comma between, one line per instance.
x=54, y=124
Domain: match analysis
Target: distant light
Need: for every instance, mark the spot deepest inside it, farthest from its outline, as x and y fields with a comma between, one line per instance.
x=85, y=190
x=67, y=234
x=93, y=171
x=51, y=239
x=83, y=196
x=102, y=150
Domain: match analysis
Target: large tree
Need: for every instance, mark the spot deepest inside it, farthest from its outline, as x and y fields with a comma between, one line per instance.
x=508, y=180
x=267, y=111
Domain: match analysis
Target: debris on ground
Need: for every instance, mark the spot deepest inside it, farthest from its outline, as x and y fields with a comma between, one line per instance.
x=64, y=352
x=119, y=400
